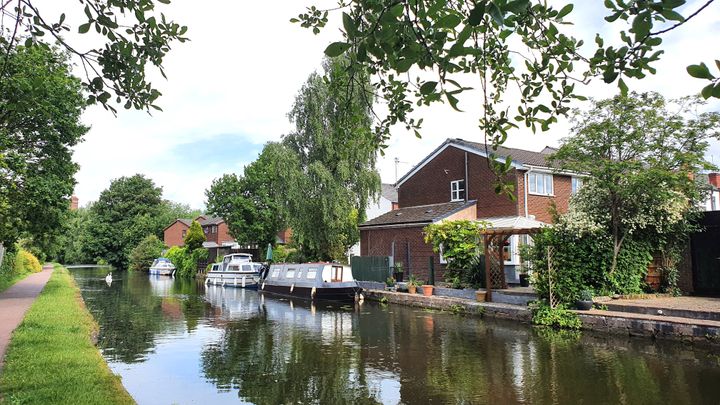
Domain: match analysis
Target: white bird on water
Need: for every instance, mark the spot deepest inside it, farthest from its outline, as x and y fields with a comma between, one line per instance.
x=108, y=278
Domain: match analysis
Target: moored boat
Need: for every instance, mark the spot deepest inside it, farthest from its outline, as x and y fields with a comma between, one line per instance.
x=236, y=270
x=162, y=266
x=314, y=281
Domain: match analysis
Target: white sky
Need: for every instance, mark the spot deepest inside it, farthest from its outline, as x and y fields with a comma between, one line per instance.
x=230, y=88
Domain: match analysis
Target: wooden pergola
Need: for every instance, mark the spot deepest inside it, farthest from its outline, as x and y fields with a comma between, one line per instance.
x=494, y=241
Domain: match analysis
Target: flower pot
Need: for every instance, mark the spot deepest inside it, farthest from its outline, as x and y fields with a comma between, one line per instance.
x=524, y=280
x=428, y=290
x=412, y=289
x=583, y=305
x=398, y=276
x=480, y=296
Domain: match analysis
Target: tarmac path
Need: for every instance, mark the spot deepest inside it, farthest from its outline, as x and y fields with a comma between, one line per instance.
x=15, y=301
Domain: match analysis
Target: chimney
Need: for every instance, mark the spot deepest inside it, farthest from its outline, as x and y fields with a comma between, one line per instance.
x=714, y=179
x=73, y=203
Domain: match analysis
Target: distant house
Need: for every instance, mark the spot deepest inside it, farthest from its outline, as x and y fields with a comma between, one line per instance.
x=712, y=182
x=456, y=182
x=218, y=239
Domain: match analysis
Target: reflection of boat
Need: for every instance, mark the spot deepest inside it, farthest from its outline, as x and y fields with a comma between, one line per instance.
x=162, y=266
x=236, y=270
x=322, y=281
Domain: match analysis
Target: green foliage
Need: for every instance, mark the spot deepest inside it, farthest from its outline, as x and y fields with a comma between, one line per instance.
x=586, y=295
x=26, y=262
x=40, y=108
x=129, y=36
x=326, y=165
x=412, y=281
x=390, y=282
x=194, y=237
x=460, y=243
x=281, y=253
x=640, y=156
x=143, y=255
x=428, y=51
x=558, y=317
x=247, y=203
x=17, y=264
x=123, y=215
x=186, y=261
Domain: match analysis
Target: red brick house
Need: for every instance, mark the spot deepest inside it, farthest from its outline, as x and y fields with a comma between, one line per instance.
x=218, y=239
x=456, y=182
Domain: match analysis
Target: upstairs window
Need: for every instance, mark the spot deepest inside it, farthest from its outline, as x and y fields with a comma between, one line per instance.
x=457, y=190
x=577, y=183
x=540, y=183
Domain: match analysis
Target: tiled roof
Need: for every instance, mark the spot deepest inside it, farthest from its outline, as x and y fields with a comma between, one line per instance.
x=389, y=192
x=421, y=214
x=518, y=155
x=211, y=221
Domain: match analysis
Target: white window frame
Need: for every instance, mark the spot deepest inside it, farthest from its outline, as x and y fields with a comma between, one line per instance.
x=455, y=190
x=541, y=179
x=576, y=184
x=440, y=253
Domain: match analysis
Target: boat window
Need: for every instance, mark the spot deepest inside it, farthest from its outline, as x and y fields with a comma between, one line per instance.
x=311, y=273
x=290, y=273
x=247, y=267
x=337, y=273
x=275, y=273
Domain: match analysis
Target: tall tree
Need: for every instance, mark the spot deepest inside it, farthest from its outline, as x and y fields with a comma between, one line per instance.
x=120, y=218
x=336, y=177
x=640, y=156
x=195, y=237
x=247, y=203
x=429, y=51
x=130, y=35
x=40, y=108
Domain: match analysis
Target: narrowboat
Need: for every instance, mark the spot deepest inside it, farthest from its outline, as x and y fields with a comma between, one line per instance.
x=162, y=266
x=236, y=270
x=314, y=281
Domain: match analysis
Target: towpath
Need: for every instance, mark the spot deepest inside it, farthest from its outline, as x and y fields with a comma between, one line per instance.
x=15, y=301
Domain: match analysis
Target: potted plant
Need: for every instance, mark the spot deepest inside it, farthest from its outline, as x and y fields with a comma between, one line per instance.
x=586, y=300
x=428, y=289
x=390, y=283
x=412, y=284
x=524, y=279
x=398, y=271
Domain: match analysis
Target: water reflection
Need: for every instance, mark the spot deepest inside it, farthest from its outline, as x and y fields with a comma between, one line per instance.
x=238, y=346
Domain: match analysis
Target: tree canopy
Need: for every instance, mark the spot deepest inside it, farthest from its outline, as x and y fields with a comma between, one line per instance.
x=334, y=161
x=131, y=36
x=520, y=54
x=195, y=237
x=40, y=109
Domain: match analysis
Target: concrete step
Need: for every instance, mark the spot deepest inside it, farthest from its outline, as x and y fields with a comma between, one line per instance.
x=654, y=310
x=645, y=317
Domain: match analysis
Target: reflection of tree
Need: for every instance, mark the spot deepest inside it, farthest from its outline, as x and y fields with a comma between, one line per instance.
x=273, y=362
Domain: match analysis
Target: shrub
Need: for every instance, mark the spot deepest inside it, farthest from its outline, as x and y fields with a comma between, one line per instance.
x=185, y=261
x=460, y=244
x=195, y=237
x=143, y=255
x=559, y=317
x=26, y=262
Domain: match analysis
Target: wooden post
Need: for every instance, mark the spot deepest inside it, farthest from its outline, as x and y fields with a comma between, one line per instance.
x=488, y=268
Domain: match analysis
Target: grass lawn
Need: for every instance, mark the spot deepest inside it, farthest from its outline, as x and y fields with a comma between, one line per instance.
x=51, y=359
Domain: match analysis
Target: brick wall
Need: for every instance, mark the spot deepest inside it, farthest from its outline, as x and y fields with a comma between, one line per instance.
x=431, y=184
x=410, y=249
x=223, y=233
x=539, y=205
x=173, y=234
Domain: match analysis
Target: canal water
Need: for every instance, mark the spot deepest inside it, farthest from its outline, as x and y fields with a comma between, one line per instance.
x=177, y=342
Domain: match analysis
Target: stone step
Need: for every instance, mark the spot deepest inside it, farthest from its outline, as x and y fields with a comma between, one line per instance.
x=655, y=310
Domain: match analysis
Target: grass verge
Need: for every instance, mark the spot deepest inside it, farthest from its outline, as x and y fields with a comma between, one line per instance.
x=8, y=281
x=51, y=359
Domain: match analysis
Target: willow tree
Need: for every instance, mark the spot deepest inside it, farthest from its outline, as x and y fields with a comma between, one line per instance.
x=335, y=156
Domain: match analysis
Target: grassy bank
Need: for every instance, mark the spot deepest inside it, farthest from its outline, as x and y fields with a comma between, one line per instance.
x=51, y=359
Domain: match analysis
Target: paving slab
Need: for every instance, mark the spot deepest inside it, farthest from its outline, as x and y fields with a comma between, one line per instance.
x=14, y=303
x=682, y=307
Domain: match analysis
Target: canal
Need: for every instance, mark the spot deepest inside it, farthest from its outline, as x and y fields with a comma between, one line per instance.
x=176, y=342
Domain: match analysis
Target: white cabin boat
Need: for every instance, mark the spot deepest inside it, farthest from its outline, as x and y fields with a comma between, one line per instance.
x=315, y=281
x=162, y=266
x=236, y=270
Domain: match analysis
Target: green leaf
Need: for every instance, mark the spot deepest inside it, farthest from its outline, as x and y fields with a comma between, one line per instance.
x=349, y=25
x=403, y=65
x=623, y=87
x=496, y=14
x=707, y=91
x=476, y=14
x=336, y=49
x=397, y=10
x=448, y=21
x=453, y=102
x=83, y=28
x=716, y=90
x=700, y=71
x=428, y=87
x=672, y=15
x=641, y=25
x=517, y=6
x=565, y=10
